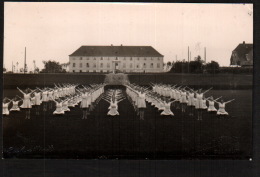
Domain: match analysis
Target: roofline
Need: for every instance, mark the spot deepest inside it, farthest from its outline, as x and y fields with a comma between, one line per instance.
x=110, y=56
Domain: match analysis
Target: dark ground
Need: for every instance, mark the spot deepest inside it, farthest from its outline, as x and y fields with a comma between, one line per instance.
x=127, y=137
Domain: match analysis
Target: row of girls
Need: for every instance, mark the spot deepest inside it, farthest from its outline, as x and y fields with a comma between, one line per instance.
x=64, y=96
x=36, y=98
x=137, y=96
x=162, y=97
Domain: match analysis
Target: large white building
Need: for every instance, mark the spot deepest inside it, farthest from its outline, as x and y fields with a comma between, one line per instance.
x=109, y=58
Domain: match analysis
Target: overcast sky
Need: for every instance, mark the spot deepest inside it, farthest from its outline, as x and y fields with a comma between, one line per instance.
x=55, y=30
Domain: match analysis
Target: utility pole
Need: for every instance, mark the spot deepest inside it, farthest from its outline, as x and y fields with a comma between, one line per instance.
x=17, y=67
x=205, y=58
x=24, y=69
x=12, y=67
x=188, y=59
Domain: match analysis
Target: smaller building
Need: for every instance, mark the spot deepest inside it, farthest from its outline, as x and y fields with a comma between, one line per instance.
x=242, y=55
x=65, y=66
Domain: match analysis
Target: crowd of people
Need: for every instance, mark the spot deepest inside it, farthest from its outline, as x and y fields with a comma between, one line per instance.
x=164, y=97
x=64, y=96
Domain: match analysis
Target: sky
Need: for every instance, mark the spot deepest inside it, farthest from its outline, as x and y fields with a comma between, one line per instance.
x=52, y=31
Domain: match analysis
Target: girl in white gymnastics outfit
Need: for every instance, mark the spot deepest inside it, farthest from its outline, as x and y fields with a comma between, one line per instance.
x=50, y=97
x=211, y=107
x=183, y=99
x=38, y=101
x=26, y=101
x=199, y=102
x=85, y=101
x=141, y=103
x=65, y=105
x=6, y=103
x=44, y=98
x=59, y=109
x=191, y=101
x=167, y=108
x=15, y=106
x=221, y=110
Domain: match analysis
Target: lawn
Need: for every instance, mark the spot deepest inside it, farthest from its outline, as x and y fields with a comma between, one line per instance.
x=127, y=137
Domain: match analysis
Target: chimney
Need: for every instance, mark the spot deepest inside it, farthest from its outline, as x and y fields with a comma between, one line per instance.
x=244, y=43
x=111, y=44
x=121, y=44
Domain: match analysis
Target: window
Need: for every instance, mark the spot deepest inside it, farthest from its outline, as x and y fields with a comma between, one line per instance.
x=116, y=58
x=73, y=71
x=101, y=58
x=101, y=65
x=80, y=58
x=74, y=64
x=108, y=65
x=80, y=71
x=158, y=65
x=131, y=59
x=87, y=65
x=94, y=65
x=80, y=65
x=131, y=65
x=94, y=58
x=151, y=65
x=101, y=71
x=137, y=66
x=144, y=65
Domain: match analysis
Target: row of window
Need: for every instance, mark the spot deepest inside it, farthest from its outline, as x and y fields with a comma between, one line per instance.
x=105, y=71
x=87, y=58
x=108, y=65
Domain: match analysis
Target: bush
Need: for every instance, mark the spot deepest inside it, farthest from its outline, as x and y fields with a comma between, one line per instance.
x=212, y=67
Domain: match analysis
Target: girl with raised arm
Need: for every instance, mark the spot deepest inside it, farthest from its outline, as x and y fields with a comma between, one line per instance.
x=38, y=101
x=6, y=103
x=211, y=101
x=221, y=110
x=15, y=102
x=199, y=102
x=59, y=109
x=183, y=99
x=26, y=101
x=85, y=101
x=44, y=98
x=141, y=103
x=167, y=108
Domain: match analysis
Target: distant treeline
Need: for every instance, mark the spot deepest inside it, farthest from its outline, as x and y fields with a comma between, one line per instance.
x=199, y=66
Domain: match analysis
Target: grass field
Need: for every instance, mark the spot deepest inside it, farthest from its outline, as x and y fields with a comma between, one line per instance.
x=218, y=81
x=126, y=136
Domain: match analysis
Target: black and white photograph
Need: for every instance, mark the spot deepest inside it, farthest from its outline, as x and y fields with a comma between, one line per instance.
x=151, y=81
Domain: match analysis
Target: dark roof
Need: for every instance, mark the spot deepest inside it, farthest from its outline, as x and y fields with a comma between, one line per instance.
x=120, y=51
x=243, y=49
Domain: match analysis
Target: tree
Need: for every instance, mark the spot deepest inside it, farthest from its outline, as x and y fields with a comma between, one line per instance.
x=4, y=70
x=196, y=66
x=52, y=67
x=212, y=67
x=179, y=67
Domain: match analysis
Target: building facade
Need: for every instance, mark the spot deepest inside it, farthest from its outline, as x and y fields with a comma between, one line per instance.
x=110, y=58
x=242, y=55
